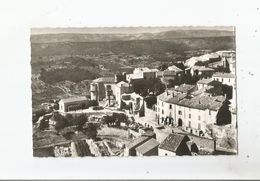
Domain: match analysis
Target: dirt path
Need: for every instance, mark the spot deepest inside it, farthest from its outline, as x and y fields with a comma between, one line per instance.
x=62, y=90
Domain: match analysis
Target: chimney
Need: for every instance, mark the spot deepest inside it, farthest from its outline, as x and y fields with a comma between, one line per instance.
x=124, y=76
x=116, y=78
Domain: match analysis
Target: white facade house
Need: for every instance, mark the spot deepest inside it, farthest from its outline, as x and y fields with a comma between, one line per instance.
x=224, y=78
x=100, y=87
x=192, y=113
x=204, y=83
x=120, y=89
x=142, y=73
x=72, y=103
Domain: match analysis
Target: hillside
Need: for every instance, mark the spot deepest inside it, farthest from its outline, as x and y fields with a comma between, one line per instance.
x=173, y=34
x=137, y=47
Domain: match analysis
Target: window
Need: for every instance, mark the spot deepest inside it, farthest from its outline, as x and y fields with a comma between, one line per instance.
x=199, y=126
x=158, y=109
x=199, y=117
x=189, y=124
x=222, y=80
x=209, y=112
x=170, y=106
x=189, y=115
x=179, y=112
x=162, y=111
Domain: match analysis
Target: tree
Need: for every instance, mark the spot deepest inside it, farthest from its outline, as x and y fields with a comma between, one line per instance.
x=150, y=101
x=43, y=124
x=60, y=124
x=163, y=67
x=80, y=120
x=90, y=130
x=92, y=103
x=60, y=120
x=224, y=115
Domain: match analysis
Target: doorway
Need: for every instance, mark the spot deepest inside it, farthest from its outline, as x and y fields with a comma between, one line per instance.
x=179, y=122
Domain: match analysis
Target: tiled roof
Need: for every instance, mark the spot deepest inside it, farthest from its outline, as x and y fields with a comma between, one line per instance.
x=204, y=81
x=147, y=146
x=202, y=142
x=202, y=68
x=197, y=101
x=174, y=68
x=145, y=69
x=203, y=102
x=74, y=99
x=167, y=97
x=223, y=75
x=173, y=141
x=169, y=73
x=136, y=76
x=137, y=141
x=122, y=84
x=184, y=88
x=82, y=148
x=105, y=80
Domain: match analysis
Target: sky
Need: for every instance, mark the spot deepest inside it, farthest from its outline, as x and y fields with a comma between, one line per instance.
x=128, y=30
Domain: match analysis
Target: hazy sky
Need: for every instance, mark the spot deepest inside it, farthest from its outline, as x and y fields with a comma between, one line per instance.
x=109, y=30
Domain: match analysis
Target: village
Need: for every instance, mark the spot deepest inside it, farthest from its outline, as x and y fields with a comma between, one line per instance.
x=187, y=108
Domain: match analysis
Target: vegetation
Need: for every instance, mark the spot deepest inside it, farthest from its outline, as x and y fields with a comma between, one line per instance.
x=155, y=48
x=39, y=113
x=150, y=101
x=224, y=115
x=74, y=75
x=115, y=119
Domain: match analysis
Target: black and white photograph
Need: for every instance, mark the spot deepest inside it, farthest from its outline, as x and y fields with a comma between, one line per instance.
x=129, y=90
x=134, y=91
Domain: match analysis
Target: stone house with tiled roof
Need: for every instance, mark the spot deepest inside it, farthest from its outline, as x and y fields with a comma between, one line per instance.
x=190, y=112
x=148, y=148
x=174, y=144
x=186, y=144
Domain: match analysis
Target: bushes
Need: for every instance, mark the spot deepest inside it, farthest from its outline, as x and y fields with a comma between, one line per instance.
x=115, y=119
x=69, y=120
x=39, y=113
x=224, y=115
x=74, y=75
x=150, y=101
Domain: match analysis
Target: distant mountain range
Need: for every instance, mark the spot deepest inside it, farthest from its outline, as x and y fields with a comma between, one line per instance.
x=164, y=35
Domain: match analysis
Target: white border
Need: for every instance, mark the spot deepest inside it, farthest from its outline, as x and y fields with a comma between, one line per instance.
x=17, y=17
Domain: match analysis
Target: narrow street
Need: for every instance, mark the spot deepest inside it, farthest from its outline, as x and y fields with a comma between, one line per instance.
x=149, y=119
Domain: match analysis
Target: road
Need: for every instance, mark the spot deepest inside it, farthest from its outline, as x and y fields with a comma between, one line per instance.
x=149, y=119
x=64, y=90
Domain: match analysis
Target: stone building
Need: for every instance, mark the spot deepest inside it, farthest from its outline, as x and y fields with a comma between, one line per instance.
x=72, y=103
x=191, y=112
